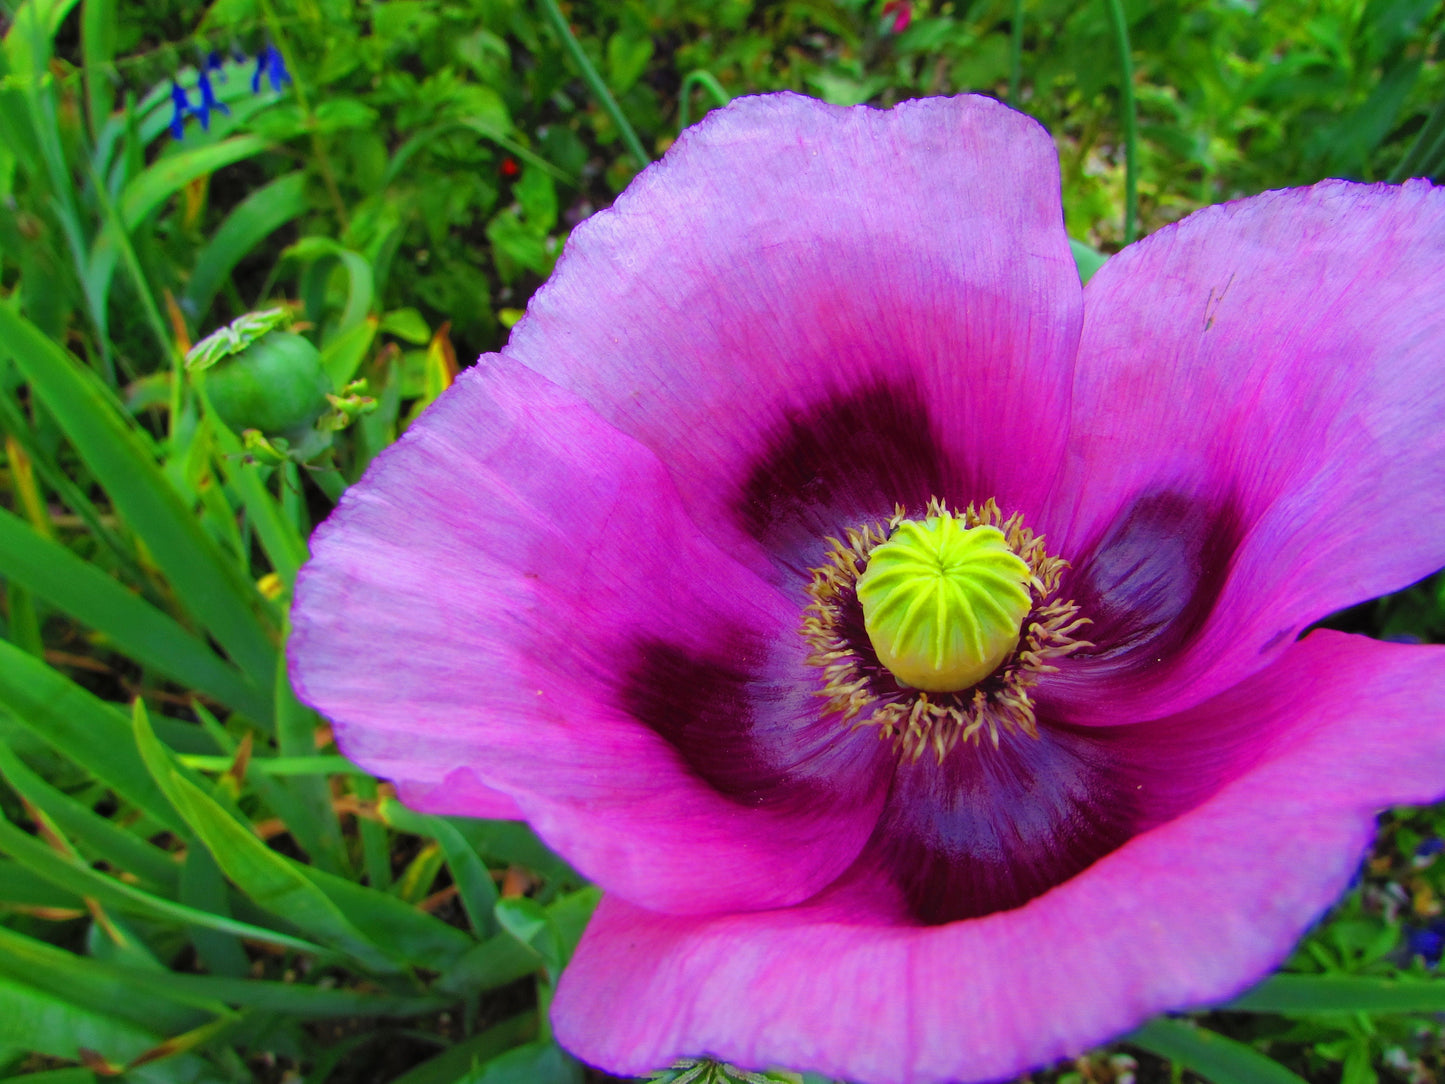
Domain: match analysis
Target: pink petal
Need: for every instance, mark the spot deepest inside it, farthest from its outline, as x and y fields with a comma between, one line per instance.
x=1257, y=411
x=1192, y=912
x=811, y=313
x=460, y=795
x=513, y=602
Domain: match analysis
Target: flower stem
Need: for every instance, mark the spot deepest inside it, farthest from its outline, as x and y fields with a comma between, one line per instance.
x=1016, y=53
x=595, y=83
x=709, y=83
x=1130, y=116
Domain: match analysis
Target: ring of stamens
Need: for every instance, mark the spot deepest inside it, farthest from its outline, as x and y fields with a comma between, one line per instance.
x=861, y=691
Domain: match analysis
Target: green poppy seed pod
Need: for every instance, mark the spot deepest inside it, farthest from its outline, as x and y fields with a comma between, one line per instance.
x=943, y=604
x=275, y=384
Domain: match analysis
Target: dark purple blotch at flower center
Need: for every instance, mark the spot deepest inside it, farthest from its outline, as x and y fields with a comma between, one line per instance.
x=990, y=824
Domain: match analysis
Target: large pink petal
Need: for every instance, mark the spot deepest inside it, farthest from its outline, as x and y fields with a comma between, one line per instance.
x=513, y=601
x=1257, y=436
x=1191, y=912
x=812, y=313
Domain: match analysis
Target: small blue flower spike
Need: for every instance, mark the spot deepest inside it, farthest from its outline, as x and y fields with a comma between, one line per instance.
x=209, y=103
x=276, y=68
x=216, y=63
x=261, y=60
x=180, y=106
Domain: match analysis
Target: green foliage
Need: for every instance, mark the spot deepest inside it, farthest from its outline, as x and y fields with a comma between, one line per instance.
x=192, y=880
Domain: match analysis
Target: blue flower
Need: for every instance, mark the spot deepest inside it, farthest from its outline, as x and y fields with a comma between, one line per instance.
x=208, y=101
x=180, y=106
x=270, y=63
x=1427, y=943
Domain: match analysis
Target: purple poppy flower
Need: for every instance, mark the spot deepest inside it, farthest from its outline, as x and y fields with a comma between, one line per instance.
x=610, y=582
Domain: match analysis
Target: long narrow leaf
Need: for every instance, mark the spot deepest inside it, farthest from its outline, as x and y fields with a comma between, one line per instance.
x=1209, y=1054
x=137, y=628
x=474, y=883
x=271, y=880
x=1341, y=994
x=103, y=988
x=204, y=580
x=33, y=1020
x=254, y=219
x=80, y=727
x=147, y=192
x=84, y=881
x=92, y=833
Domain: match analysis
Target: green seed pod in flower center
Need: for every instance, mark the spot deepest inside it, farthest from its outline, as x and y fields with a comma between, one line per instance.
x=943, y=604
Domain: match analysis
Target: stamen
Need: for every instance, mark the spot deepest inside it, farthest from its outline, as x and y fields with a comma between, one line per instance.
x=861, y=691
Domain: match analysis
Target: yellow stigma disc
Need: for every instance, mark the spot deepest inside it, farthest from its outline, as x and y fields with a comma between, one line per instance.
x=943, y=604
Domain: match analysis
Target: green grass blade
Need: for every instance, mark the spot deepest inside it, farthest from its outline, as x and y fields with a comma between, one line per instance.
x=699, y=78
x=254, y=219
x=274, y=766
x=109, y=892
x=93, y=834
x=317, y=828
x=20, y=886
x=97, y=47
x=205, y=581
x=1015, y=53
x=1292, y=994
x=89, y=984
x=146, y=193
x=207, y=993
x=457, y=1062
x=1130, y=115
x=271, y=880
x=285, y=548
x=1211, y=1055
x=42, y=1023
x=361, y=287
x=595, y=83
x=202, y=887
x=137, y=628
x=375, y=848
x=63, y=487
x=82, y=728
x=474, y=883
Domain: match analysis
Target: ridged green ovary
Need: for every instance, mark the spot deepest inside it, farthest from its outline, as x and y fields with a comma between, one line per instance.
x=943, y=604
